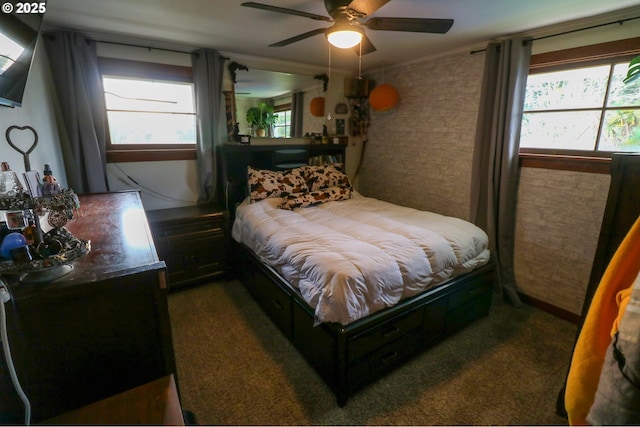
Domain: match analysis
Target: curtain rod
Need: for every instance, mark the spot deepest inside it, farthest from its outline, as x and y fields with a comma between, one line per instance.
x=149, y=47
x=619, y=21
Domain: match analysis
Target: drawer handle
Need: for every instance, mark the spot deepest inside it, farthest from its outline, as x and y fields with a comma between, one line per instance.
x=277, y=303
x=389, y=357
x=390, y=332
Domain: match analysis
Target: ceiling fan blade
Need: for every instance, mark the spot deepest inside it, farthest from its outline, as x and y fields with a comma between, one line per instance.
x=367, y=46
x=368, y=7
x=298, y=38
x=413, y=25
x=285, y=10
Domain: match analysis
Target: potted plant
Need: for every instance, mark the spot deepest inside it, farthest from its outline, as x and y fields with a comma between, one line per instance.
x=261, y=118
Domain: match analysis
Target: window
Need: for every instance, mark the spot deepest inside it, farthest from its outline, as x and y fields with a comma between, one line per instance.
x=150, y=111
x=282, y=126
x=585, y=108
x=578, y=109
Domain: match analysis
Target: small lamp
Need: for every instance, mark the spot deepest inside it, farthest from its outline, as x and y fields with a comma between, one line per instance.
x=383, y=97
x=343, y=34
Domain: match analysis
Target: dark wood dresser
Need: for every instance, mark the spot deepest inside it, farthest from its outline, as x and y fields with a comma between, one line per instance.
x=193, y=241
x=97, y=331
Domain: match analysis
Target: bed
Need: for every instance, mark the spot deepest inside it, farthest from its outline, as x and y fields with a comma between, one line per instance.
x=355, y=283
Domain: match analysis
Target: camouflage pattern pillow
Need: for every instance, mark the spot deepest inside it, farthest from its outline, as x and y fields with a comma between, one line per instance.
x=310, y=198
x=265, y=183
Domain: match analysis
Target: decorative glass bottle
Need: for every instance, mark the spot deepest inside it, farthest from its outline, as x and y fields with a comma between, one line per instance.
x=10, y=185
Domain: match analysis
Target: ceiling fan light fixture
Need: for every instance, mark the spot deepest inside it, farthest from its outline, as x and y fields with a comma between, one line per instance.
x=344, y=39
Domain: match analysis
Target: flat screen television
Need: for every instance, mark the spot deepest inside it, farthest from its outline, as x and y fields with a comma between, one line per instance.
x=20, y=24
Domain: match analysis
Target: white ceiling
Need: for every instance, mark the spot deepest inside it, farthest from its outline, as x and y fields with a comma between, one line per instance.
x=228, y=27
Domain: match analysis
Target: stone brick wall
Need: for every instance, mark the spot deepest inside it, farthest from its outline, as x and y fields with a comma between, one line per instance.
x=558, y=220
x=419, y=154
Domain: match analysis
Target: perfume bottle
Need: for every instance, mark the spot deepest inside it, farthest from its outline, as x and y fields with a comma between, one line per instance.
x=50, y=185
x=32, y=234
x=10, y=185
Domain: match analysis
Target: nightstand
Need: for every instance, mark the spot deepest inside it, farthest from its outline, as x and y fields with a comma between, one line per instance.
x=193, y=241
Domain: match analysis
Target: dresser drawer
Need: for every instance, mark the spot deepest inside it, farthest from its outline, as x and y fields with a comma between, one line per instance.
x=188, y=227
x=194, y=239
x=366, y=342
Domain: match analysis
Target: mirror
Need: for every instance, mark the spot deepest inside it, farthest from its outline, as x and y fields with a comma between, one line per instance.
x=261, y=84
x=254, y=86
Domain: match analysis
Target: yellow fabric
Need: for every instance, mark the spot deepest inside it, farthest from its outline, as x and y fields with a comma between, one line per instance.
x=591, y=346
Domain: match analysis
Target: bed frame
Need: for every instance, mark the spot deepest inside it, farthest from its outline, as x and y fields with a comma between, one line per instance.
x=348, y=357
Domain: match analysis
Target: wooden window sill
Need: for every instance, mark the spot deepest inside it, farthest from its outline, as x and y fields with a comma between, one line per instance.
x=565, y=162
x=155, y=155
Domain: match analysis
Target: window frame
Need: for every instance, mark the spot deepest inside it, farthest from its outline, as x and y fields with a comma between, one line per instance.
x=145, y=70
x=598, y=54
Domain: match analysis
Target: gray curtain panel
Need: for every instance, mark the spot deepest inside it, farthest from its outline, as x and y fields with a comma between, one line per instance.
x=297, y=113
x=80, y=109
x=208, y=66
x=495, y=158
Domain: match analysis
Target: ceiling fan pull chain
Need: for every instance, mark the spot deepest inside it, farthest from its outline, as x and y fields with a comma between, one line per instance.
x=360, y=62
x=329, y=91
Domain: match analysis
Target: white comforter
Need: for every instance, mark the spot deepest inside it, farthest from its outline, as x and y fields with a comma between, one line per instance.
x=354, y=257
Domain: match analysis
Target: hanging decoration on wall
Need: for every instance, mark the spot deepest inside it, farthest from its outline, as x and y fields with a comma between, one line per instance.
x=317, y=104
x=357, y=89
x=342, y=108
x=233, y=67
x=325, y=80
x=383, y=97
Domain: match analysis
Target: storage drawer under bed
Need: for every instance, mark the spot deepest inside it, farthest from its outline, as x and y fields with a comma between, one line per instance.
x=384, y=359
x=470, y=291
x=369, y=340
x=469, y=303
x=275, y=302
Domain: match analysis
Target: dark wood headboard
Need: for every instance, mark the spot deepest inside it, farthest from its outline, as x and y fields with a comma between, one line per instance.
x=235, y=158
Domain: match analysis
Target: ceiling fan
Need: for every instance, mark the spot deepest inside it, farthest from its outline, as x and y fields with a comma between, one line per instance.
x=347, y=17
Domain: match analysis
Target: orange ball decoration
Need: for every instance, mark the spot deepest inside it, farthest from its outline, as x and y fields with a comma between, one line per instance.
x=317, y=106
x=383, y=97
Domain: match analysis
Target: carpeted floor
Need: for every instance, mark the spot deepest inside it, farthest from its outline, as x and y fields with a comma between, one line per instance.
x=236, y=368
